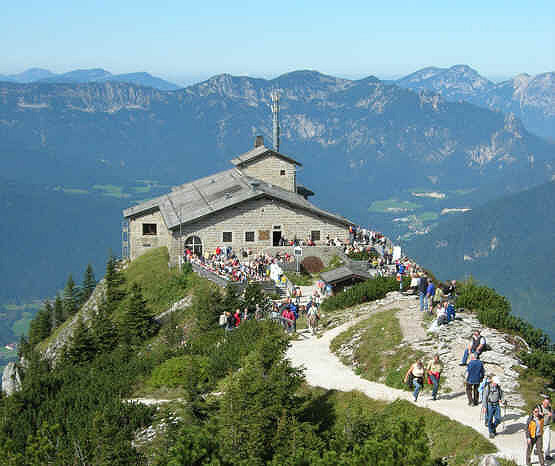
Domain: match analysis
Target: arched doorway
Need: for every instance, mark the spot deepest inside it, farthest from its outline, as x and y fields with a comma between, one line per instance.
x=194, y=244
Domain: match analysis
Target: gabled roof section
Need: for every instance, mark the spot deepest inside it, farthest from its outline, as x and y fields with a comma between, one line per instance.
x=200, y=198
x=341, y=274
x=257, y=152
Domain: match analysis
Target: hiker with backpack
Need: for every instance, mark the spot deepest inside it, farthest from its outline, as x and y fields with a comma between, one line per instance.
x=534, y=435
x=415, y=378
x=492, y=397
x=476, y=346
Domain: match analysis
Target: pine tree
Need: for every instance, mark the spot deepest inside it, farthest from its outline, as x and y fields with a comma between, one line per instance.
x=82, y=345
x=71, y=297
x=89, y=284
x=41, y=325
x=114, y=280
x=103, y=330
x=59, y=314
x=207, y=305
x=138, y=321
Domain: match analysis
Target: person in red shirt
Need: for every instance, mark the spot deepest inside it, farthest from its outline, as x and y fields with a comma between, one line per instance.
x=237, y=317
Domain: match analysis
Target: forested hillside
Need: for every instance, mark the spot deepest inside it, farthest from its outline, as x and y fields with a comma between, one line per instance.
x=508, y=243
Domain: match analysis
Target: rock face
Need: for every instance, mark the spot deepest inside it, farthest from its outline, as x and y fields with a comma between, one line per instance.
x=530, y=98
x=55, y=346
x=11, y=379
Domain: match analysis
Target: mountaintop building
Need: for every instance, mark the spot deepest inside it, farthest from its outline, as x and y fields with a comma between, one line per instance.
x=254, y=205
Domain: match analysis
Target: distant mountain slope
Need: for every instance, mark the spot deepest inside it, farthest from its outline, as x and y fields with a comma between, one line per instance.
x=508, y=244
x=530, y=98
x=89, y=75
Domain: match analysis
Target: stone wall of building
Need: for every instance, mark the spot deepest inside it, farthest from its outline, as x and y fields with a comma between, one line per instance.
x=269, y=169
x=139, y=243
x=263, y=217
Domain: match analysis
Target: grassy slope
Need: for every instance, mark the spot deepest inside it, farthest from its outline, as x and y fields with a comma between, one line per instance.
x=159, y=284
x=379, y=353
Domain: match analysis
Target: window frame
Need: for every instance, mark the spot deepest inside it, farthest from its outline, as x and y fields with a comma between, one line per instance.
x=148, y=229
x=249, y=233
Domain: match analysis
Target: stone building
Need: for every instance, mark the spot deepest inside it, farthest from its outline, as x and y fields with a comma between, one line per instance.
x=252, y=206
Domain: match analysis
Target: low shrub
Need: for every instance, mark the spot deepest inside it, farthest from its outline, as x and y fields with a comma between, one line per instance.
x=363, y=255
x=369, y=290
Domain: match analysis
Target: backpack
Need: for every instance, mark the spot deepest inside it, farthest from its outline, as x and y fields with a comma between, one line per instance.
x=494, y=394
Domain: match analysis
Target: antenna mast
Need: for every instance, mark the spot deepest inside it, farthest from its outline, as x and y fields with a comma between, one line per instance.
x=275, y=118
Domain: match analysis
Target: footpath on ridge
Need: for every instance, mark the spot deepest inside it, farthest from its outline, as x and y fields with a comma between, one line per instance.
x=324, y=369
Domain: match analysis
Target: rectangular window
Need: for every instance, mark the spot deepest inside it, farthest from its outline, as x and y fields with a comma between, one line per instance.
x=282, y=172
x=263, y=235
x=277, y=227
x=249, y=236
x=227, y=237
x=315, y=235
x=149, y=229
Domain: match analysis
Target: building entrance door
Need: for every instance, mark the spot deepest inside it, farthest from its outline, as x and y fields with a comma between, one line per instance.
x=276, y=237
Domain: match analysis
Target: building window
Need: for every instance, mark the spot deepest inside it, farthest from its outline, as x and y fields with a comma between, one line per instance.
x=249, y=236
x=282, y=172
x=227, y=237
x=277, y=227
x=149, y=229
x=194, y=244
x=263, y=235
x=315, y=235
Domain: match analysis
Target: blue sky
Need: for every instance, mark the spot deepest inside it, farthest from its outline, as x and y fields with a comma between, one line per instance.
x=185, y=41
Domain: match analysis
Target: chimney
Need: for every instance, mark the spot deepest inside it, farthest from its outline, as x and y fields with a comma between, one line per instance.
x=259, y=141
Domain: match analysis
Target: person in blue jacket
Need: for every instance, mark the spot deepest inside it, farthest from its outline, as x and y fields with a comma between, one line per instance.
x=474, y=375
x=430, y=295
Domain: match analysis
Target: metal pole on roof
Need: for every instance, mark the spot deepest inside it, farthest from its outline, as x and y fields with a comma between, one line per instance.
x=275, y=118
x=181, y=251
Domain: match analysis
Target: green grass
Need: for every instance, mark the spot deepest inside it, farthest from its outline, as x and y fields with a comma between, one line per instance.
x=300, y=279
x=448, y=438
x=112, y=190
x=379, y=354
x=393, y=206
x=531, y=386
x=334, y=263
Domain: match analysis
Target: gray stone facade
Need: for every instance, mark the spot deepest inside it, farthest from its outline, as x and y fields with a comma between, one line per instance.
x=249, y=207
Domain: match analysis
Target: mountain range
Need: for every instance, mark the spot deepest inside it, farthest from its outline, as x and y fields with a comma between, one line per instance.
x=105, y=144
x=89, y=75
x=530, y=98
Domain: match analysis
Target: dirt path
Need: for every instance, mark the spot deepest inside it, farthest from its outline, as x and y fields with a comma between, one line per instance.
x=324, y=369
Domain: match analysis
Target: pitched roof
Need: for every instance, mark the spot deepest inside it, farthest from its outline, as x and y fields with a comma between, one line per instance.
x=259, y=152
x=192, y=201
x=342, y=273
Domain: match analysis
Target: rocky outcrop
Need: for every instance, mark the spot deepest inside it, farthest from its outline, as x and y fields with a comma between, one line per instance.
x=11, y=379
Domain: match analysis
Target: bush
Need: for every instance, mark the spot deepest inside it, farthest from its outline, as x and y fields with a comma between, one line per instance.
x=312, y=264
x=177, y=372
x=369, y=290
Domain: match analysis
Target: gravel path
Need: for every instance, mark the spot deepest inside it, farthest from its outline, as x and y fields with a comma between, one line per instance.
x=324, y=369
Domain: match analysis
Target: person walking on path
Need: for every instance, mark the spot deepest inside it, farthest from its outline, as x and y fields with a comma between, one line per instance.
x=534, y=435
x=435, y=366
x=547, y=411
x=493, y=395
x=422, y=288
x=474, y=375
x=476, y=346
x=430, y=291
x=416, y=374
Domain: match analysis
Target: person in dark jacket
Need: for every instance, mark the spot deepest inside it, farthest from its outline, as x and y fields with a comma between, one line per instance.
x=474, y=375
x=422, y=288
x=534, y=435
x=491, y=401
x=430, y=291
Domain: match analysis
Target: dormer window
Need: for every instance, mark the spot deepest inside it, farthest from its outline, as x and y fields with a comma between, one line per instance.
x=282, y=172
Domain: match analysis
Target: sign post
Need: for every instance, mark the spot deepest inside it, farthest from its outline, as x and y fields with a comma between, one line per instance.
x=297, y=252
